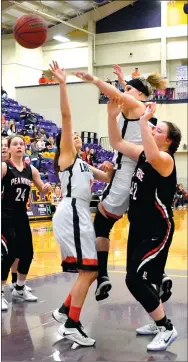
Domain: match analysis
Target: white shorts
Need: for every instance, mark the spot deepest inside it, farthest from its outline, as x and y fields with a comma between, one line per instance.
x=116, y=196
x=74, y=231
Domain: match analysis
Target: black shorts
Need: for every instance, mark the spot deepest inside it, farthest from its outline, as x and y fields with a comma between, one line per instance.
x=147, y=249
x=16, y=232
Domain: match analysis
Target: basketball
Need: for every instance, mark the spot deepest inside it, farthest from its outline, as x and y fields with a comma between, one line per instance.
x=30, y=31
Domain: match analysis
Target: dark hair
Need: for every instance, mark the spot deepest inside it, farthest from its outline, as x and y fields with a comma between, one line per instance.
x=11, y=126
x=12, y=137
x=174, y=134
x=57, y=154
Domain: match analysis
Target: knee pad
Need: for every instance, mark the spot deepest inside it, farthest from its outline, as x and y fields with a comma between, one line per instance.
x=103, y=225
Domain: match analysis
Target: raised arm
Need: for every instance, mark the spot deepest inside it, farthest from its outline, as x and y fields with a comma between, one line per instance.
x=119, y=72
x=161, y=161
x=129, y=149
x=109, y=90
x=67, y=149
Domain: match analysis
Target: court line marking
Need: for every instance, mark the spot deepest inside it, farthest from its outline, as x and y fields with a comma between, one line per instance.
x=169, y=275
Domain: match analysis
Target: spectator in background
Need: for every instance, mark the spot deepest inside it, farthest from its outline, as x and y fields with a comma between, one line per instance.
x=23, y=114
x=53, y=80
x=4, y=94
x=24, y=132
x=27, y=159
x=41, y=144
x=4, y=150
x=34, y=153
x=35, y=132
x=85, y=154
x=43, y=79
x=93, y=156
x=3, y=131
x=12, y=130
x=136, y=73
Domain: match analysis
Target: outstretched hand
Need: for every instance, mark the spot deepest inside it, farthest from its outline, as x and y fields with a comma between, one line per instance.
x=60, y=74
x=119, y=72
x=149, y=112
x=84, y=76
x=114, y=107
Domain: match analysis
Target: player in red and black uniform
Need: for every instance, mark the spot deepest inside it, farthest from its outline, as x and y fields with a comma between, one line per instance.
x=150, y=214
x=17, y=178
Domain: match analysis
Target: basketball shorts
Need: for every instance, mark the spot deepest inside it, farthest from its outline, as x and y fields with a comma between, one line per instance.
x=74, y=231
x=147, y=249
x=16, y=232
x=115, y=200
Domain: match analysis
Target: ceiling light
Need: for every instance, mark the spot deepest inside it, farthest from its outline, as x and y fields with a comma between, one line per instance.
x=60, y=38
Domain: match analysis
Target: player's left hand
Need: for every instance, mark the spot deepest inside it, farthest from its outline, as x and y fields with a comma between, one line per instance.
x=149, y=112
x=60, y=74
x=46, y=188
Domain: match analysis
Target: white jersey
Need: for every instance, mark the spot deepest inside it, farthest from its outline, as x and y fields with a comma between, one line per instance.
x=130, y=131
x=77, y=180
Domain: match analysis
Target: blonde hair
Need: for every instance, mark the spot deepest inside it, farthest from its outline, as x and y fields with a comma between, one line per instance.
x=154, y=81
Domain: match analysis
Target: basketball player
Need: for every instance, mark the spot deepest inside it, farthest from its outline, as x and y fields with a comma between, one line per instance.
x=164, y=289
x=150, y=215
x=115, y=200
x=72, y=222
x=17, y=178
x=5, y=157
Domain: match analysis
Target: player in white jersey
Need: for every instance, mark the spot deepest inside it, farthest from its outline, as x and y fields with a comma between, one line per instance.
x=72, y=222
x=115, y=199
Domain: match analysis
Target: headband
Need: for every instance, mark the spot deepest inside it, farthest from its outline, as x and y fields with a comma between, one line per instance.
x=139, y=85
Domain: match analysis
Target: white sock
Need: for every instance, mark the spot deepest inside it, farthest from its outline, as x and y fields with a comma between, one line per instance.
x=20, y=283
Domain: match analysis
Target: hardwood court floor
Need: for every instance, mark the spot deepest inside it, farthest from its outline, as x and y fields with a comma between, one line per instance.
x=47, y=257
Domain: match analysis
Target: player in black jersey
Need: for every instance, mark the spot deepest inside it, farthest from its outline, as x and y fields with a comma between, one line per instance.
x=17, y=178
x=5, y=157
x=150, y=214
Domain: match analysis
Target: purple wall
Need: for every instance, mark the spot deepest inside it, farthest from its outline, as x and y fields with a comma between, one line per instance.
x=143, y=14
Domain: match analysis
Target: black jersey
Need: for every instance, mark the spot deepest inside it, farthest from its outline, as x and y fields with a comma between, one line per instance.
x=151, y=195
x=16, y=186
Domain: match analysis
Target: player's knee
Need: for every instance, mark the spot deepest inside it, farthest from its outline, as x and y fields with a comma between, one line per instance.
x=103, y=225
x=90, y=276
x=132, y=282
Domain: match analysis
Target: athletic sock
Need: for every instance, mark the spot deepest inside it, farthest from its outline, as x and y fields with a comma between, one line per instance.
x=74, y=313
x=20, y=284
x=103, y=263
x=164, y=322
x=14, y=278
x=65, y=306
x=67, y=302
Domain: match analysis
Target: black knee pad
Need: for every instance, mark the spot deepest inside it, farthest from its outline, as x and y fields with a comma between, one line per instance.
x=103, y=225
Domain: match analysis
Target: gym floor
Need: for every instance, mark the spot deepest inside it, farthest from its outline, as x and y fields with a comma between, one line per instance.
x=29, y=333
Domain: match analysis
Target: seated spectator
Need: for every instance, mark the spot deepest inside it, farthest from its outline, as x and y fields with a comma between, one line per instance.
x=43, y=79
x=51, y=144
x=12, y=130
x=24, y=132
x=4, y=94
x=3, y=131
x=93, y=156
x=35, y=132
x=53, y=80
x=6, y=125
x=136, y=73
x=57, y=195
x=180, y=197
x=34, y=153
x=85, y=153
x=23, y=114
x=41, y=144
x=27, y=159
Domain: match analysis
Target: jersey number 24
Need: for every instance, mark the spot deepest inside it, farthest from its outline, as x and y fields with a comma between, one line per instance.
x=20, y=195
